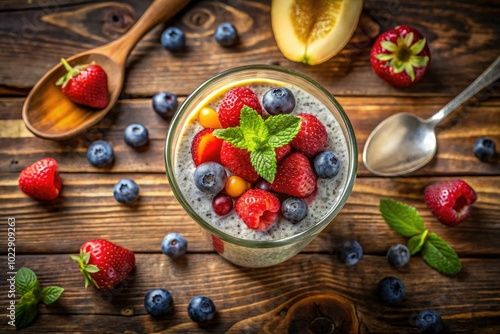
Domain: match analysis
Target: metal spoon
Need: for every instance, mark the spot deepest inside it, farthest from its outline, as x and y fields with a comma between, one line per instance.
x=49, y=114
x=404, y=142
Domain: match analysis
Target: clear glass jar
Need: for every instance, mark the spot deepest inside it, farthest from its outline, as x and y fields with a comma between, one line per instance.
x=244, y=252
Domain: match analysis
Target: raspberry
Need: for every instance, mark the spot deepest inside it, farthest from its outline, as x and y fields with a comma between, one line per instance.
x=258, y=209
x=232, y=103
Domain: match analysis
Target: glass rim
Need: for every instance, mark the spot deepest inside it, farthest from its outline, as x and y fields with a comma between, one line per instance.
x=313, y=230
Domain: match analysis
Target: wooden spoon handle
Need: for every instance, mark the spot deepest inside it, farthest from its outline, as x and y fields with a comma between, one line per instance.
x=157, y=12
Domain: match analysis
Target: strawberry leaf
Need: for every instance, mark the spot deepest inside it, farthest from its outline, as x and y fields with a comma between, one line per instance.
x=418, y=46
x=389, y=46
x=408, y=40
x=402, y=218
x=50, y=294
x=440, y=256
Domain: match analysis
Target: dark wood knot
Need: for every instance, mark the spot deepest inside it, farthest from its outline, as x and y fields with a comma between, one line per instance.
x=117, y=20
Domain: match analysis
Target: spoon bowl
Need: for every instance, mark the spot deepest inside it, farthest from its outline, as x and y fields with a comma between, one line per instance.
x=49, y=114
x=403, y=143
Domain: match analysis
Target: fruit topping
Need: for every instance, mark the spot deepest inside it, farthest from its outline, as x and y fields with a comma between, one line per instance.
x=398, y=255
x=174, y=245
x=313, y=31
x=222, y=204
x=100, y=154
x=41, y=180
x=226, y=34
x=349, y=252
x=400, y=56
x=158, y=302
x=173, y=39
x=232, y=103
x=294, y=209
x=201, y=309
x=210, y=177
x=312, y=137
x=205, y=147
x=136, y=135
x=450, y=201
x=258, y=209
x=165, y=104
x=429, y=322
x=103, y=263
x=126, y=191
x=209, y=118
x=391, y=290
x=326, y=165
x=295, y=176
x=237, y=160
x=484, y=149
x=279, y=100
x=85, y=84
x=235, y=186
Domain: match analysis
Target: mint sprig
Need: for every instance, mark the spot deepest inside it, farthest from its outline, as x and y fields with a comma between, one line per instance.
x=405, y=220
x=261, y=137
x=28, y=287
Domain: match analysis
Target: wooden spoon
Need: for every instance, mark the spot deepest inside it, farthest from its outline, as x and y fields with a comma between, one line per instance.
x=48, y=113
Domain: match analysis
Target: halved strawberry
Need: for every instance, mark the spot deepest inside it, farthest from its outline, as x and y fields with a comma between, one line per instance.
x=205, y=147
x=41, y=180
x=295, y=176
x=235, y=99
x=258, y=209
x=312, y=137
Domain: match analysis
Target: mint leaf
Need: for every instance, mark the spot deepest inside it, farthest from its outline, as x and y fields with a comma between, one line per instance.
x=416, y=242
x=252, y=125
x=26, y=281
x=440, y=256
x=25, y=313
x=264, y=162
x=402, y=218
x=232, y=135
x=282, y=129
x=50, y=294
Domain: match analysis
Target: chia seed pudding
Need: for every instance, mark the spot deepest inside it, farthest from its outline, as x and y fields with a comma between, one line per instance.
x=320, y=203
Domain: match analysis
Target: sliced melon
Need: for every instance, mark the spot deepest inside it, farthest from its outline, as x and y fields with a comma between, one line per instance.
x=313, y=31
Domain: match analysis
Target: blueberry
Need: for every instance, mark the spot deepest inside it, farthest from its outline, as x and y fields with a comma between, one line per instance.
x=484, y=148
x=279, y=100
x=100, y=154
x=201, y=309
x=158, y=302
x=326, y=165
x=398, y=255
x=126, y=191
x=349, y=252
x=294, y=209
x=210, y=177
x=174, y=245
x=429, y=322
x=173, y=39
x=165, y=104
x=391, y=290
x=135, y=135
x=226, y=34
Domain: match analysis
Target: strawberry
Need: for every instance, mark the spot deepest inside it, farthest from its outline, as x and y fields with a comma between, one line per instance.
x=400, y=56
x=450, y=201
x=312, y=137
x=295, y=176
x=206, y=147
x=258, y=209
x=218, y=244
x=230, y=106
x=237, y=160
x=104, y=263
x=85, y=84
x=41, y=180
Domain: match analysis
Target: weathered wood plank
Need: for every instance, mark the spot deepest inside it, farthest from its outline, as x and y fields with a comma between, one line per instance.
x=262, y=301
x=87, y=209
x=38, y=35
x=455, y=139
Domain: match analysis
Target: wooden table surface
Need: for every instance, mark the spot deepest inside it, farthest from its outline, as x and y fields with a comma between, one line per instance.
x=311, y=287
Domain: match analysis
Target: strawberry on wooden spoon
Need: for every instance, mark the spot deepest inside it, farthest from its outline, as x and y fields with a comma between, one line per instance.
x=400, y=56
x=85, y=84
x=104, y=263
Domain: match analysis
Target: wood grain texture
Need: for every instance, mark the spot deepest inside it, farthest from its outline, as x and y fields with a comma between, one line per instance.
x=29, y=33
x=309, y=287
